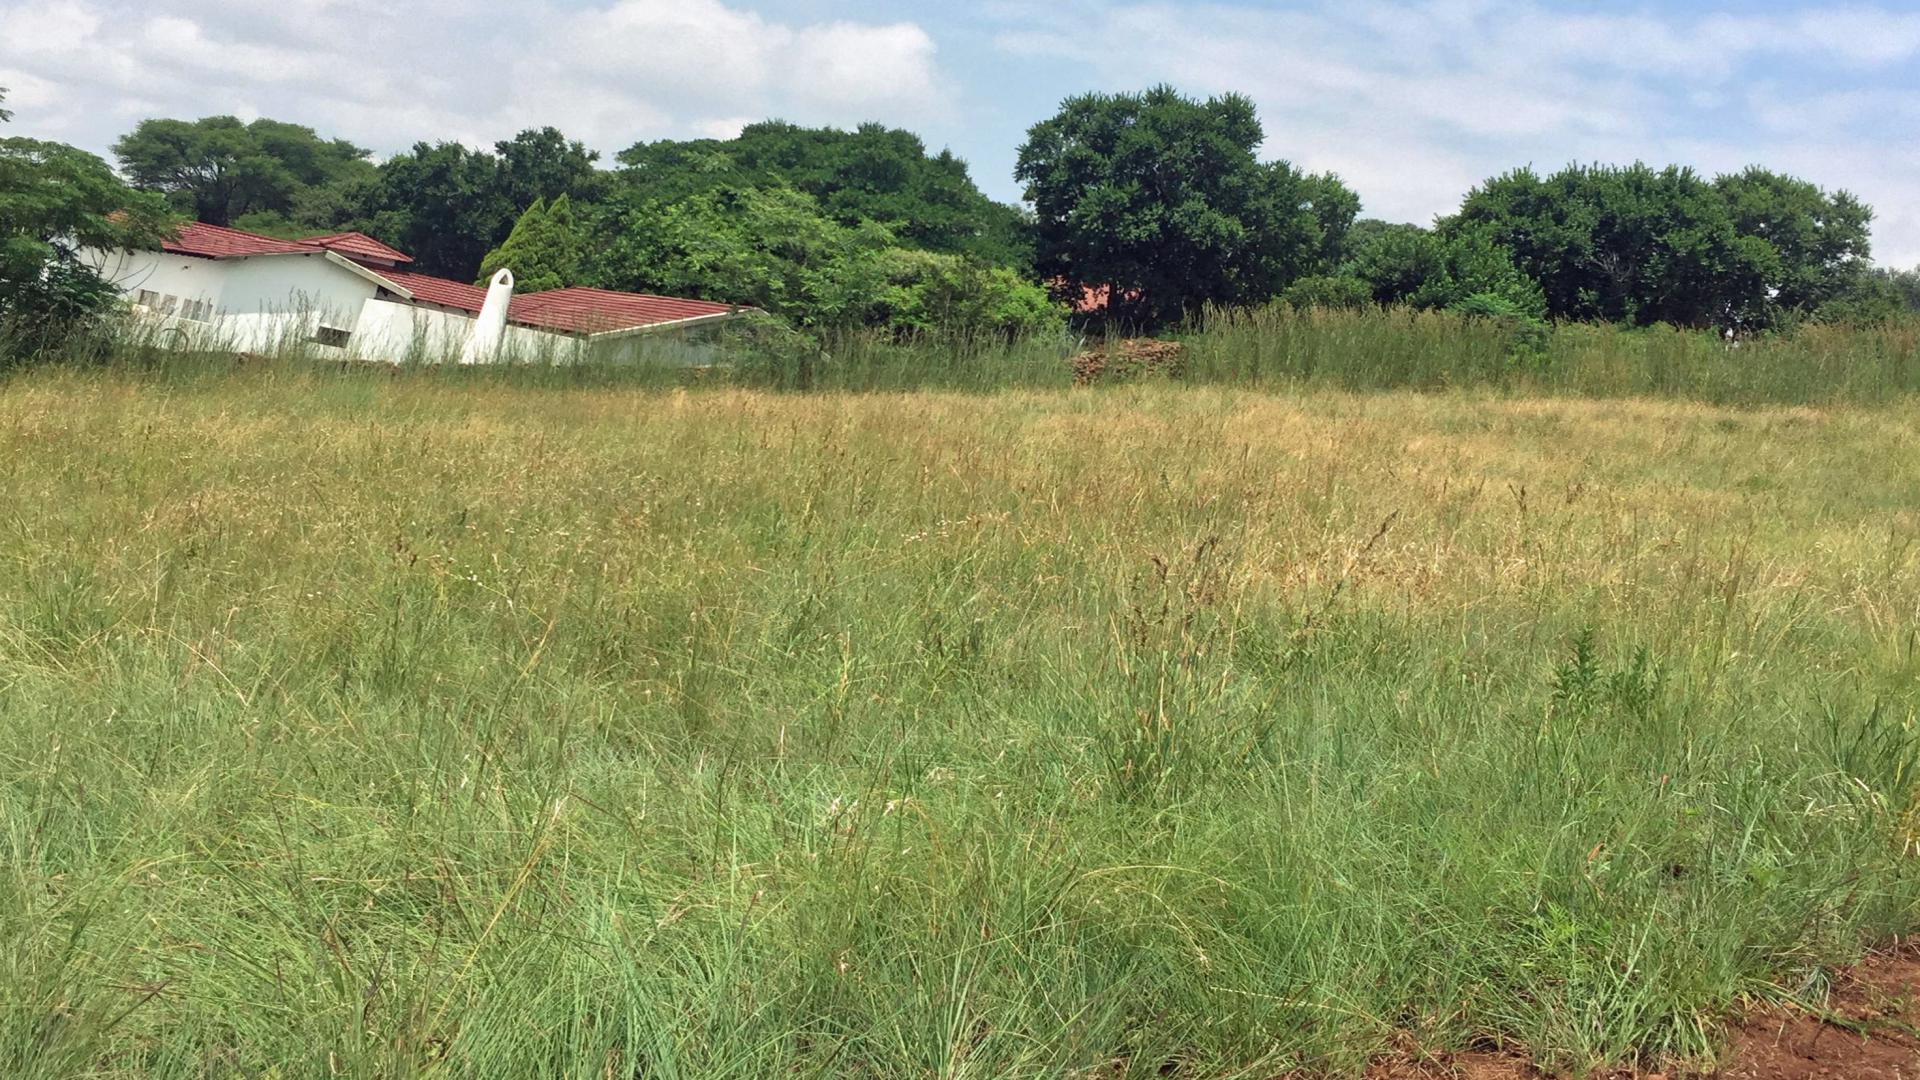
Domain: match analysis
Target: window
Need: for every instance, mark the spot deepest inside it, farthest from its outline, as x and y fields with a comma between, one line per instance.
x=146, y=298
x=167, y=304
x=327, y=335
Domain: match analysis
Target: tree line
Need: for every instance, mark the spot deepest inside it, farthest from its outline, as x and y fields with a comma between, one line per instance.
x=1148, y=207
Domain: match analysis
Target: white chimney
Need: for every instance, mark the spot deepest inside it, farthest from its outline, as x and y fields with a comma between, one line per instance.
x=483, y=346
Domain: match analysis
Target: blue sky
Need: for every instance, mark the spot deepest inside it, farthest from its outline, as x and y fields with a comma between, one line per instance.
x=1411, y=101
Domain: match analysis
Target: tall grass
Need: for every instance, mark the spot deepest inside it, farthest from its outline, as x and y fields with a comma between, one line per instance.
x=1271, y=348
x=368, y=724
x=1375, y=350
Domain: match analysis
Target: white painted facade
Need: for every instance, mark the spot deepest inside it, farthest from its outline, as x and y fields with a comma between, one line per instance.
x=322, y=304
x=413, y=333
x=254, y=303
x=148, y=277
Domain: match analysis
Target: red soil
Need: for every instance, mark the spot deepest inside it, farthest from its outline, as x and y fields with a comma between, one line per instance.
x=1868, y=1030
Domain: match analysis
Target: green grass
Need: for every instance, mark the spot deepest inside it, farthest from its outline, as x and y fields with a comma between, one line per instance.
x=1275, y=348
x=357, y=724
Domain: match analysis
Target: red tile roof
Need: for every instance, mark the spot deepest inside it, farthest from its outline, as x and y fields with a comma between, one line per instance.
x=433, y=290
x=217, y=242
x=1089, y=299
x=581, y=310
x=577, y=310
x=358, y=245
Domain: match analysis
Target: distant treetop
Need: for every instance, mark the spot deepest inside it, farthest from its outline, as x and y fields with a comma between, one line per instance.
x=873, y=173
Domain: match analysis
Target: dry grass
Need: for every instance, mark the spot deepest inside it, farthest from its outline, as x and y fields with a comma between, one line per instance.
x=375, y=725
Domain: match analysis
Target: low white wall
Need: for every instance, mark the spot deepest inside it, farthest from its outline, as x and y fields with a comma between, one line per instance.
x=399, y=333
x=278, y=303
x=178, y=277
x=310, y=285
x=687, y=347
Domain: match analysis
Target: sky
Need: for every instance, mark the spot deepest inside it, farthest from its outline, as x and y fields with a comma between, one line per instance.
x=1411, y=102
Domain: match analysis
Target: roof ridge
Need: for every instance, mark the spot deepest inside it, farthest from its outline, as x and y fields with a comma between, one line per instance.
x=355, y=242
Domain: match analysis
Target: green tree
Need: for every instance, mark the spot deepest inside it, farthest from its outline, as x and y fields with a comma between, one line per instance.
x=1328, y=291
x=873, y=173
x=778, y=250
x=219, y=169
x=1334, y=206
x=443, y=205
x=770, y=248
x=1821, y=240
x=1630, y=244
x=543, y=250
x=1902, y=285
x=1406, y=264
x=541, y=163
x=1874, y=295
x=928, y=291
x=1161, y=199
x=1399, y=263
x=4, y=114
x=56, y=201
x=448, y=206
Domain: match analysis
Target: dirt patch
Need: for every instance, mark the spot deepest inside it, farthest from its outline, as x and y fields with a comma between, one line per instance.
x=1868, y=1029
x=1455, y=1067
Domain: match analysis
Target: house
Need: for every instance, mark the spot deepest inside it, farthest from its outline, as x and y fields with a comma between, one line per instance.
x=349, y=295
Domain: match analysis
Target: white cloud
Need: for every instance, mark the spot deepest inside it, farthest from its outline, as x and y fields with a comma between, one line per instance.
x=1412, y=101
x=38, y=29
x=715, y=63
x=26, y=91
x=725, y=127
x=844, y=65
x=1415, y=101
x=611, y=73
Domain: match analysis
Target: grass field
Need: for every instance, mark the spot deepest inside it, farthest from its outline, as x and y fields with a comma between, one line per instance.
x=358, y=725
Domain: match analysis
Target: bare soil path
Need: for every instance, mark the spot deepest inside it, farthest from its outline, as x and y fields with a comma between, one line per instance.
x=1869, y=1030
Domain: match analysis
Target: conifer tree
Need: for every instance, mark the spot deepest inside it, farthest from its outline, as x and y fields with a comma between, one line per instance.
x=543, y=250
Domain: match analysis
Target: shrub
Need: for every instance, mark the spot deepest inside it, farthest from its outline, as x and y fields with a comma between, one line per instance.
x=1328, y=291
x=55, y=200
x=952, y=294
x=1529, y=336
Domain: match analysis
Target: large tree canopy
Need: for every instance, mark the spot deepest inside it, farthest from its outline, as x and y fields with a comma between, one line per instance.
x=448, y=206
x=541, y=163
x=778, y=250
x=219, y=169
x=1821, y=240
x=543, y=250
x=1640, y=245
x=873, y=173
x=443, y=205
x=1162, y=200
x=770, y=248
x=1406, y=264
x=55, y=200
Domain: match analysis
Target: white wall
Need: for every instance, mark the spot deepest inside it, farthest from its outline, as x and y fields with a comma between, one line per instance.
x=256, y=285
x=265, y=303
x=693, y=346
x=276, y=303
x=400, y=333
x=287, y=284
x=177, y=276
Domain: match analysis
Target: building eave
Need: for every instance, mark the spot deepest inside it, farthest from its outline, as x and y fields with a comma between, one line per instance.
x=393, y=287
x=676, y=324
